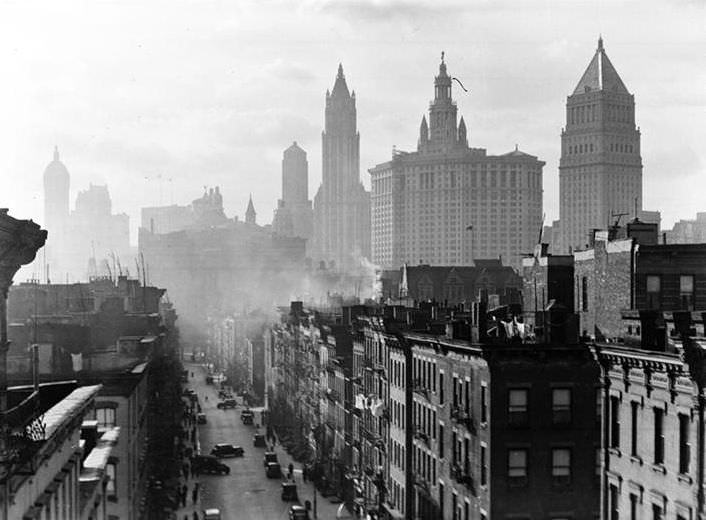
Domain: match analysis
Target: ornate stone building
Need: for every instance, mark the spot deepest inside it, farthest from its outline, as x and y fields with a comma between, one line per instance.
x=600, y=171
x=342, y=205
x=294, y=216
x=448, y=204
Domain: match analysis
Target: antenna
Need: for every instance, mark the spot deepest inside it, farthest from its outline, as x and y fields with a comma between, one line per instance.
x=541, y=228
x=618, y=215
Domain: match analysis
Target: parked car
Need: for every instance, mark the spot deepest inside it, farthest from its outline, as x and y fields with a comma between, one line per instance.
x=228, y=403
x=289, y=492
x=246, y=416
x=224, y=394
x=270, y=456
x=274, y=470
x=209, y=464
x=201, y=418
x=258, y=440
x=227, y=450
x=297, y=512
x=212, y=514
x=209, y=380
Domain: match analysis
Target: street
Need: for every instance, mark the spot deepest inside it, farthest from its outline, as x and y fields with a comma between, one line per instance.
x=245, y=494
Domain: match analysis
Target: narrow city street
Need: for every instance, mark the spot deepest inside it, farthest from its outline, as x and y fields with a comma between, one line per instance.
x=246, y=493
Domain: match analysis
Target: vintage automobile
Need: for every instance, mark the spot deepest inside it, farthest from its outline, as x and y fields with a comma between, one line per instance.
x=227, y=403
x=297, y=512
x=289, y=492
x=270, y=456
x=273, y=470
x=227, y=450
x=201, y=418
x=246, y=416
x=258, y=440
x=209, y=464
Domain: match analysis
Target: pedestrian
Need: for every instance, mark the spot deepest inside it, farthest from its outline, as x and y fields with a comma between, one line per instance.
x=195, y=493
x=206, y=397
x=304, y=473
x=290, y=473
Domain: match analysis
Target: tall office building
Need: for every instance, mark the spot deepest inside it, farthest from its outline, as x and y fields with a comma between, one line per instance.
x=600, y=171
x=448, y=204
x=294, y=215
x=342, y=205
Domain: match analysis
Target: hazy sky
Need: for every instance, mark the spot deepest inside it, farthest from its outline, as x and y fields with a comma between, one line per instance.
x=211, y=92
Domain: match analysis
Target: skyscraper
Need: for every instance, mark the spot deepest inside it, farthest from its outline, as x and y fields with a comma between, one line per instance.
x=341, y=206
x=600, y=171
x=294, y=215
x=447, y=204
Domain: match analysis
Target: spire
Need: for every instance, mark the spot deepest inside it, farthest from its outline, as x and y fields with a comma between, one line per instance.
x=442, y=82
x=250, y=215
x=339, y=87
x=462, y=138
x=423, y=133
x=56, y=153
x=600, y=74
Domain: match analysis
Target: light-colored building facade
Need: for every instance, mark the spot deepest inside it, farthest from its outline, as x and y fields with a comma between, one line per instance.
x=342, y=205
x=600, y=170
x=448, y=204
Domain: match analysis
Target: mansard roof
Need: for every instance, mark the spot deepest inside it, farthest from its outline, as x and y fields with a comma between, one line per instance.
x=600, y=75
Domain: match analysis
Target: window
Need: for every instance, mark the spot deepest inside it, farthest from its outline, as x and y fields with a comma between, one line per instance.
x=653, y=291
x=633, y=427
x=441, y=388
x=483, y=403
x=561, y=406
x=517, y=407
x=659, y=436
x=599, y=405
x=684, y=445
x=614, y=422
x=483, y=465
x=686, y=292
x=110, y=486
x=561, y=466
x=441, y=499
x=105, y=417
x=517, y=467
x=614, y=502
x=633, y=506
x=584, y=293
x=441, y=441
x=656, y=512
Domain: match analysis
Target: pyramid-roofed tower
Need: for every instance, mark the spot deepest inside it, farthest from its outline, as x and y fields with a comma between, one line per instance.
x=600, y=171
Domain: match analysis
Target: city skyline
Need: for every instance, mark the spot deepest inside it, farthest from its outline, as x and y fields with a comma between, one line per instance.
x=237, y=110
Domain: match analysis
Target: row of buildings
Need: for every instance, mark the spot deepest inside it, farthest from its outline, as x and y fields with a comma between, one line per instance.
x=83, y=366
x=512, y=411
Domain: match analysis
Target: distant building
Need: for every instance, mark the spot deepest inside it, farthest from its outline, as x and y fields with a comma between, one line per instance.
x=448, y=204
x=294, y=215
x=84, y=242
x=228, y=266
x=600, y=170
x=341, y=205
x=454, y=285
x=688, y=231
x=203, y=212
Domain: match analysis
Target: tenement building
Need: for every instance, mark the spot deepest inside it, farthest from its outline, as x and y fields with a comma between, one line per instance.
x=342, y=205
x=653, y=418
x=447, y=203
x=600, y=171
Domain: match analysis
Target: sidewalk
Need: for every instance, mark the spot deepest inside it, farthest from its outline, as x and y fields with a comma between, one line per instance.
x=187, y=512
x=324, y=508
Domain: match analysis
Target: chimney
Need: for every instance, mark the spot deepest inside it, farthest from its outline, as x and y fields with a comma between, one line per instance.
x=653, y=333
